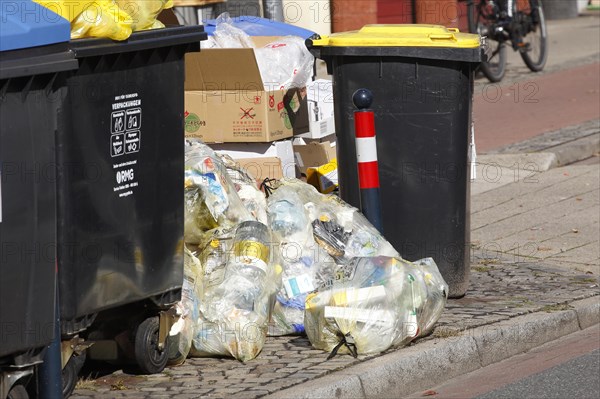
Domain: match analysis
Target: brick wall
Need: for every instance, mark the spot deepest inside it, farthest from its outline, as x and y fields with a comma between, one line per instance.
x=438, y=12
x=353, y=14
x=395, y=11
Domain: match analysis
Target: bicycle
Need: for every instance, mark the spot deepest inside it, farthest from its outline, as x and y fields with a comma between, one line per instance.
x=520, y=22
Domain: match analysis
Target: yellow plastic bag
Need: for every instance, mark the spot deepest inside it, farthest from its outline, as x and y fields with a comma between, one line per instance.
x=105, y=19
x=99, y=18
x=144, y=12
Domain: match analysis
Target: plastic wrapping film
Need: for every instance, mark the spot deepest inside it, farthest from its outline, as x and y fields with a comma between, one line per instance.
x=375, y=303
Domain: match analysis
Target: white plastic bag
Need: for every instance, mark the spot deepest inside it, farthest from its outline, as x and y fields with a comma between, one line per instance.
x=226, y=35
x=285, y=63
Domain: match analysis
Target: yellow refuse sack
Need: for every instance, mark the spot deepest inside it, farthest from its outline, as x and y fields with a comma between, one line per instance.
x=144, y=12
x=113, y=19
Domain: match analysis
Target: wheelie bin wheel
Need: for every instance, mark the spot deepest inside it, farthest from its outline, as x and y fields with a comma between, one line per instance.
x=150, y=359
x=71, y=372
x=18, y=392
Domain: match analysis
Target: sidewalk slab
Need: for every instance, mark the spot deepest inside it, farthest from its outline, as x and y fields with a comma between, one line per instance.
x=497, y=170
x=533, y=161
x=554, y=218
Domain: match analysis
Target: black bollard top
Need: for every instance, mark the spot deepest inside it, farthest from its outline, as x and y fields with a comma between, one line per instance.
x=362, y=99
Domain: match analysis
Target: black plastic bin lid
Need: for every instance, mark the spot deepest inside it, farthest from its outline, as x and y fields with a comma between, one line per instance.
x=138, y=41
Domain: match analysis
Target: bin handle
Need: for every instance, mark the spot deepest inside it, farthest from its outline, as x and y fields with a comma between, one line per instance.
x=319, y=42
x=442, y=36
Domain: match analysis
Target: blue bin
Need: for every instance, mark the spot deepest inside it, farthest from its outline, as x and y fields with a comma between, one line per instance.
x=26, y=24
x=34, y=54
x=256, y=26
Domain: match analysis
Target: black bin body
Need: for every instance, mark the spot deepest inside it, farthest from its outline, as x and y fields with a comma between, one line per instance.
x=422, y=104
x=120, y=157
x=31, y=89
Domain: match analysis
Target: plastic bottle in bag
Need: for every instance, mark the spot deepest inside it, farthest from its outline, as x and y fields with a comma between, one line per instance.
x=235, y=313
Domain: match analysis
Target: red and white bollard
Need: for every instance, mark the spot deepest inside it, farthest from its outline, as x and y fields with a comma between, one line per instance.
x=366, y=156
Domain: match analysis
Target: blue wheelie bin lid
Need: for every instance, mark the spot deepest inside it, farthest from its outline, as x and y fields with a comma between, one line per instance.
x=25, y=24
x=256, y=26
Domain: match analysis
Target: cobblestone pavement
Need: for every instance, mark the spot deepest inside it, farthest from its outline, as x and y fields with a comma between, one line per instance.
x=500, y=289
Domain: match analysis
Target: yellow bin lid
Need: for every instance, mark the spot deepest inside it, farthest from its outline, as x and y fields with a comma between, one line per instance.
x=401, y=35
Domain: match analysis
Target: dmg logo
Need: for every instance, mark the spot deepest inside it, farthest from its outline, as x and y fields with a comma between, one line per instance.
x=124, y=176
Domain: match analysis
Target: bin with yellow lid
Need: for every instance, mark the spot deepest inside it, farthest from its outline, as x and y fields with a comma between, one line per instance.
x=421, y=77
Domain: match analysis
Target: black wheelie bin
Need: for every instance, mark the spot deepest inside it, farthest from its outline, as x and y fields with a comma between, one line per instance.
x=421, y=77
x=34, y=57
x=120, y=161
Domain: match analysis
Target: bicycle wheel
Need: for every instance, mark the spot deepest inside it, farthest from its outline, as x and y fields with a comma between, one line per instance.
x=535, y=52
x=482, y=16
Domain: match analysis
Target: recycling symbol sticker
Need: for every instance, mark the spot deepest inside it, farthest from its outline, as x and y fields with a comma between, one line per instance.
x=117, y=145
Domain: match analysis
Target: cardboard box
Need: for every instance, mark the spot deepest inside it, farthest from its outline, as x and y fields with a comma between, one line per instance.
x=260, y=157
x=321, y=121
x=226, y=100
x=313, y=155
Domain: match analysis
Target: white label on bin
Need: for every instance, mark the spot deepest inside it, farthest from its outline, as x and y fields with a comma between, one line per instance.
x=125, y=140
x=133, y=119
x=132, y=142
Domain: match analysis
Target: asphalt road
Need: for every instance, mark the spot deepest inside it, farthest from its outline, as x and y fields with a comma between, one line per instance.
x=578, y=378
x=565, y=368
